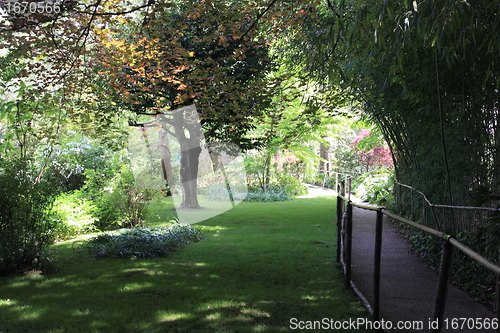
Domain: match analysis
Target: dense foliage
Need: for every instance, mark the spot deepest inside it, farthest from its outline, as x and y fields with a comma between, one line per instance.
x=431, y=85
x=375, y=188
x=426, y=74
x=26, y=220
x=431, y=82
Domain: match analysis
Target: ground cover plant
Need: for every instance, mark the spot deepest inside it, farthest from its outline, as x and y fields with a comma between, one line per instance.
x=266, y=195
x=143, y=243
x=262, y=264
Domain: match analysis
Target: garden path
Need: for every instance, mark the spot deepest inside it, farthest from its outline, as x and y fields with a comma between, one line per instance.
x=408, y=284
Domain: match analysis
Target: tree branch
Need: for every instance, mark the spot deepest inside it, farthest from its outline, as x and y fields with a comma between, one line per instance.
x=258, y=18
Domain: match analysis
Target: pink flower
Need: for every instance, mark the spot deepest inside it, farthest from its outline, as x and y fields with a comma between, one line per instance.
x=378, y=156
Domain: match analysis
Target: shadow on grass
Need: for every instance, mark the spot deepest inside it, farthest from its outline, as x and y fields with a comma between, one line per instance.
x=262, y=265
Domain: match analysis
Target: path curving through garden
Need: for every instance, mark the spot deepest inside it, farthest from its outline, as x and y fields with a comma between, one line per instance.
x=408, y=284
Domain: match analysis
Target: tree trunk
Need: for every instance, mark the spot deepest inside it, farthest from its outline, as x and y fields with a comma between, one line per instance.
x=189, y=175
x=324, y=166
x=187, y=130
x=166, y=162
x=267, y=170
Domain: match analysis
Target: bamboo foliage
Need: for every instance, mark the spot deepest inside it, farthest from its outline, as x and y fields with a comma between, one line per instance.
x=427, y=74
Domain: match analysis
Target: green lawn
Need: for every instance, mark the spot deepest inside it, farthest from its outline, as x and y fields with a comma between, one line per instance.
x=262, y=265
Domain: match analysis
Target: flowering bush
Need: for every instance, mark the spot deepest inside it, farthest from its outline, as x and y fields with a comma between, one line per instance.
x=372, y=151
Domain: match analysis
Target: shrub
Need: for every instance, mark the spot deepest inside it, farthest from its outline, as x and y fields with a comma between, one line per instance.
x=291, y=185
x=78, y=214
x=72, y=158
x=325, y=180
x=27, y=223
x=266, y=195
x=374, y=188
x=280, y=189
x=144, y=242
x=119, y=200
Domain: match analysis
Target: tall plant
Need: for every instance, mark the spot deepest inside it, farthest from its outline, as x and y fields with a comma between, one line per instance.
x=26, y=222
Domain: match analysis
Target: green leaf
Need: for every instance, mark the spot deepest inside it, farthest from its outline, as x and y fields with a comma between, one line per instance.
x=11, y=117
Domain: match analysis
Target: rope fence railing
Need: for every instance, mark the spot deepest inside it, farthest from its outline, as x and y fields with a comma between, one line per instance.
x=449, y=244
x=452, y=218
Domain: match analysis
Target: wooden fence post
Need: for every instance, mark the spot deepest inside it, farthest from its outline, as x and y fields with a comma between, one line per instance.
x=412, y=215
x=348, y=246
x=376, y=270
x=337, y=181
x=340, y=206
x=349, y=184
x=442, y=287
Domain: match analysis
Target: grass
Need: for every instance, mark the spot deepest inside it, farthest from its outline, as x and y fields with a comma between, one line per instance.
x=263, y=264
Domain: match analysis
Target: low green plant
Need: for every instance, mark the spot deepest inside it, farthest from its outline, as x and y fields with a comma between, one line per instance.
x=267, y=195
x=143, y=243
x=316, y=179
x=375, y=188
x=77, y=213
x=325, y=180
x=121, y=203
x=291, y=185
x=281, y=188
x=220, y=193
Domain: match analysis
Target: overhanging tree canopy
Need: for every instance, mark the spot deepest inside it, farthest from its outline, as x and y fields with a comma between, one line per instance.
x=194, y=55
x=427, y=74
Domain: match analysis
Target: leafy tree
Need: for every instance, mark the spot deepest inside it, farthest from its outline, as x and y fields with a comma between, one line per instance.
x=297, y=118
x=194, y=55
x=372, y=151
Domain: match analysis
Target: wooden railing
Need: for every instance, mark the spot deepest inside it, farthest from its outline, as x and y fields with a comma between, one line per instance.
x=344, y=250
x=453, y=219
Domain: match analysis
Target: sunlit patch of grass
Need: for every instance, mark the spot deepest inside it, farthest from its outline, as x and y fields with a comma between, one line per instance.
x=80, y=312
x=19, y=284
x=135, y=286
x=214, y=316
x=164, y=316
x=199, y=264
x=7, y=302
x=28, y=312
